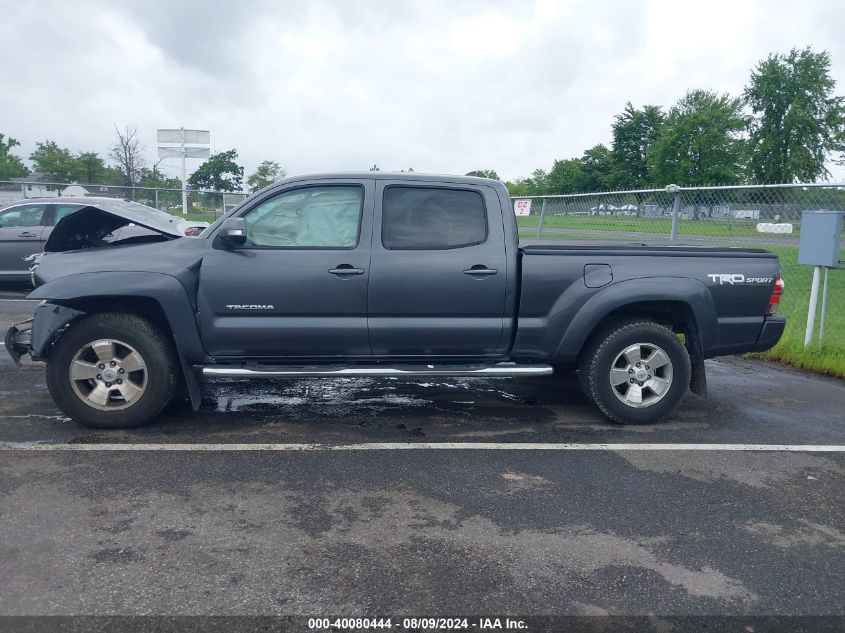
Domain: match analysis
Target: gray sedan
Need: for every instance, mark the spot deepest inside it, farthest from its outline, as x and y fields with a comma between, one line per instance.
x=26, y=225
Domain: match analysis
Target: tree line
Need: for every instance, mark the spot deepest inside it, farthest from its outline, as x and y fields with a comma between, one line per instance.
x=124, y=165
x=783, y=128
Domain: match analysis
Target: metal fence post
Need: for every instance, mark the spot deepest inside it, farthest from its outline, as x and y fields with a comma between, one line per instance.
x=676, y=210
x=542, y=219
x=157, y=207
x=824, y=304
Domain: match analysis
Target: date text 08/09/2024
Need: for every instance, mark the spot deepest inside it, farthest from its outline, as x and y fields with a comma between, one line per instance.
x=433, y=624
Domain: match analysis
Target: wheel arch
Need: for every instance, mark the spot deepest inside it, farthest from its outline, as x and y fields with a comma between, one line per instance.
x=683, y=304
x=157, y=297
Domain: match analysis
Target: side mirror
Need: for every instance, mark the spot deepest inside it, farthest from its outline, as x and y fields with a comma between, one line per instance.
x=232, y=233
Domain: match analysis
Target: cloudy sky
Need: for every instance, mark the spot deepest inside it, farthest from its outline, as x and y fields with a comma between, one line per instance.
x=434, y=85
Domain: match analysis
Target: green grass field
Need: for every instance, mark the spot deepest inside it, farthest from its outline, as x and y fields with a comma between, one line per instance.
x=829, y=357
x=662, y=226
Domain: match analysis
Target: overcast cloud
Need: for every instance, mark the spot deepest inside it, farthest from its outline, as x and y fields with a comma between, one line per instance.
x=438, y=86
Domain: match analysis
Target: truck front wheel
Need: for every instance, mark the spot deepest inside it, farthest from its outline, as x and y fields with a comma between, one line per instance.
x=112, y=371
x=636, y=372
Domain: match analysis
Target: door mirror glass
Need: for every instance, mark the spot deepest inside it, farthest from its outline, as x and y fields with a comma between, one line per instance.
x=232, y=233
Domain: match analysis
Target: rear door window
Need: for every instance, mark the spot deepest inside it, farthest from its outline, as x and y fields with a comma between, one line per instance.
x=63, y=210
x=432, y=218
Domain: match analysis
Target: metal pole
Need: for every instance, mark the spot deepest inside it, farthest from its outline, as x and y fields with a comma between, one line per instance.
x=811, y=312
x=542, y=219
x=184, y=178
x=156, y=195
x=676, y=210
x=824, y=305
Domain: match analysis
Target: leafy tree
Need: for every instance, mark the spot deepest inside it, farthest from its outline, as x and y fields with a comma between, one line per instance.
x=375, y=168
x=88, y=167
x=598, y=168
x=265, y=174
x=56, y=163
x=593, y=171
x=535, y=185
x=10, y=165
x=155, y=179
x=797, y=121
x=519, y=187
x=634, y=132
x=126, y=154
x=220, y=173
x=566, y=176
x=701, y=141
x=485, y=173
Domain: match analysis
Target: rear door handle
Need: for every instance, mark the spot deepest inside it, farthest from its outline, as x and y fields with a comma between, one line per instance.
x=26, y=234
x=346, y=269
x=481, y=271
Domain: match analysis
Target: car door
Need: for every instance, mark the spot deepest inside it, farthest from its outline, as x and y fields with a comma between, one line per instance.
x=21, y=235
x=298, y=288
x=438, y=276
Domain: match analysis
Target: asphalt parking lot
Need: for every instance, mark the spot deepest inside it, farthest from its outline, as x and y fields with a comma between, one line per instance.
x=480, y=521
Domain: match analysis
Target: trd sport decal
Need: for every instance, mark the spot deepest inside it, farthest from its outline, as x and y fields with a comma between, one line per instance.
x=738, y=278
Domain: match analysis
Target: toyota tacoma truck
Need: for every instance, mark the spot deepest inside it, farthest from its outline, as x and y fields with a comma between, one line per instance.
x=381, y=274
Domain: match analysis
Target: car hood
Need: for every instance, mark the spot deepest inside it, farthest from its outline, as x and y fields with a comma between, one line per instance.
x=170, y=257
x=92, y=224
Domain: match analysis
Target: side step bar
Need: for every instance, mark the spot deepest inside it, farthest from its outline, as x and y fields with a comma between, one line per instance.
x=289, y=371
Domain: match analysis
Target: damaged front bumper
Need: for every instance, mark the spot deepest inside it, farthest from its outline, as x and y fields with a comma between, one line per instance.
x=34, y=336
x=19, y=340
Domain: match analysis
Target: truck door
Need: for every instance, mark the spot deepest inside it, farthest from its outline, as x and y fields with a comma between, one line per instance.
x=298, y=287
x=438, y=277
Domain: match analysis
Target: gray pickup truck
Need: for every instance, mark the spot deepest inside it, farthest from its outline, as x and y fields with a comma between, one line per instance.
x=380, y=274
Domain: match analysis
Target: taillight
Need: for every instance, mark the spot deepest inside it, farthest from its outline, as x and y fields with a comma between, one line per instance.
x=777, y=291
x=193, y=231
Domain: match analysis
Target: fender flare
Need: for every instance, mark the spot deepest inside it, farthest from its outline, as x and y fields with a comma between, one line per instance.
x=691, y=292
x=167, y=291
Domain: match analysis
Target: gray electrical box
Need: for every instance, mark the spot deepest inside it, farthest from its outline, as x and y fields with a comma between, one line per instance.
x=821, y=234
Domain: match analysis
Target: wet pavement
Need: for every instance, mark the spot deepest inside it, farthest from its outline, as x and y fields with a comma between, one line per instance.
x=402, y=531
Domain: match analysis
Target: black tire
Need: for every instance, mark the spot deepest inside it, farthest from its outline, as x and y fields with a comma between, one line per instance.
x=602, y=352
x=152, y=345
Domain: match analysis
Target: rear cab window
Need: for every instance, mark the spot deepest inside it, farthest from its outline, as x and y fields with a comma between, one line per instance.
x=432, y=218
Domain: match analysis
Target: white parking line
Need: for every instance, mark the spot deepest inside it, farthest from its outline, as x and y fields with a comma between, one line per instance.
x=425, y=446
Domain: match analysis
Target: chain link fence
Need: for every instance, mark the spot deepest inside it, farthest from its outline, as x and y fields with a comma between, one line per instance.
x=202, y=205
x=765, y=216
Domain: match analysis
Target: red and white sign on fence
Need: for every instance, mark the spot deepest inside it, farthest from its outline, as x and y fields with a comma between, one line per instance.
x=522, y=207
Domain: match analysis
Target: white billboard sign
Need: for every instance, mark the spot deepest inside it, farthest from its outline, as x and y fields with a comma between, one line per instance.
x=190, y=152
x=522, y=207
x=191, y=137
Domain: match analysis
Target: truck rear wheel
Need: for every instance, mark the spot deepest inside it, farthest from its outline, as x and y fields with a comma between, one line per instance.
x=636, y=372
x=112, y=371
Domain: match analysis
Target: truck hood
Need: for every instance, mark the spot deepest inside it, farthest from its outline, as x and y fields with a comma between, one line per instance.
x=89, y=226
x=169, y=257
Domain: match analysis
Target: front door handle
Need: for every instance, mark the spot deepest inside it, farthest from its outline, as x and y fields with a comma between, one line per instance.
x=26, y=234
x=346, y=269
x=480, y=271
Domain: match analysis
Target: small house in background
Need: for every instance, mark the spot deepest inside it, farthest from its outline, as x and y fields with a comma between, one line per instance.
x=32, y=186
